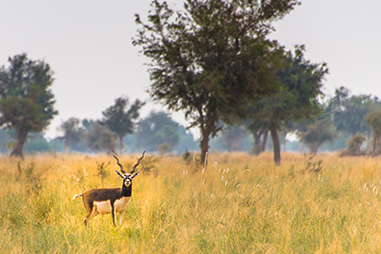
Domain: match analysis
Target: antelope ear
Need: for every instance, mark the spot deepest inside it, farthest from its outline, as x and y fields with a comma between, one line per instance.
x=122, y=176
x=136, y=174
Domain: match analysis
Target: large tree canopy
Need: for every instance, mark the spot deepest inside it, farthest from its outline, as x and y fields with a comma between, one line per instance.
x=211, y=58
x=298, y=98
x=26, y=101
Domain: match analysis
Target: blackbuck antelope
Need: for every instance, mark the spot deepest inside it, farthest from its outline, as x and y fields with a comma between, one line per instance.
x=106, y=200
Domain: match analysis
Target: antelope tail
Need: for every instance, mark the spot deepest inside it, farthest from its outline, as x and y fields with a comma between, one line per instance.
x=76, y=196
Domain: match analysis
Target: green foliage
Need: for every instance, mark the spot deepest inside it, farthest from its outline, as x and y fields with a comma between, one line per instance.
x=100, y=139
x=373, y=119
x=186, y=141
x=120, y=119
x=355, y=143
x=211, y=58
x=348, y=112
x=26, y=100
x=163, y=148
x=339, y=143
x=354, y=146
x=37, y=143
x=233, y=137
x=302, y=87
x=156, y=129
x=5, y=140
x=297, y=100
x=73, y=133
x=317, y=134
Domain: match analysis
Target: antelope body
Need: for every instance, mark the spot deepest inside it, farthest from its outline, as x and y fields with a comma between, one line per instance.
x=110, y=200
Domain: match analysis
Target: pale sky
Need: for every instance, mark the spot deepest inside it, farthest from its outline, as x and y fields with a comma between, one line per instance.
x=87, y=43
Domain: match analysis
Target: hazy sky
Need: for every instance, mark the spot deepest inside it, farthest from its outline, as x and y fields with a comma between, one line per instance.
x=87, y=43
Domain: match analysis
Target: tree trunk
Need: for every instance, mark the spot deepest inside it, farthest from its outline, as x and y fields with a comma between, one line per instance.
x=121, y=145
x=316, y=148
x=374, y=144
x=257, y=149
x=276, y=142
x=65, y=145
x=21, y=138
x=204, y=145
x=264, y=141
x=368, y=136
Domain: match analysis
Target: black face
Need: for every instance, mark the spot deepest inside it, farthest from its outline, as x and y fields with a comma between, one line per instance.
x=127, y=178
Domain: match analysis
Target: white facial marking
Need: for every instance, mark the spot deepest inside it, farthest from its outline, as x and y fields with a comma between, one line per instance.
x=127, y=182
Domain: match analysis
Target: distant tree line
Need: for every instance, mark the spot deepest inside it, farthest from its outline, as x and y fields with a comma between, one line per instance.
x=154, y=133
x=346, y=122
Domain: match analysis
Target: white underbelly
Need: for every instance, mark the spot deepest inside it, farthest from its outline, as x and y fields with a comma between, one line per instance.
x=104, y=207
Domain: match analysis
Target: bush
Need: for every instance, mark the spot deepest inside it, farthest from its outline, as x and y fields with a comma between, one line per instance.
x=354, y=146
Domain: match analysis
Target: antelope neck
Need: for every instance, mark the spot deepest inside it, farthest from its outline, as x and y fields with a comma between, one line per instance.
x=126, y=191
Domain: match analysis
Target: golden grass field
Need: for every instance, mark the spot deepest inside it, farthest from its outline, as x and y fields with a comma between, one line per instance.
x=238, y=204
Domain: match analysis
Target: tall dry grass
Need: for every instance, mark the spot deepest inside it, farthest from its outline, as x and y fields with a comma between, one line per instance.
x=238, y=204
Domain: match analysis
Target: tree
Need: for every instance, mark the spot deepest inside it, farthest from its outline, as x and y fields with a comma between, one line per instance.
x=120, y=119
x=156, y=129
x=4, y=140
x=211, y=58
x=233, y=136
x=163, y=148
x=348, y=112
x=99, y=138
x=297, y=100
x=373, y=119
x=317, y=134
x=258, y=129
x=26, y=100
x=287, y=127
x=72, y=131
x=355, y=144
x=37, y=143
